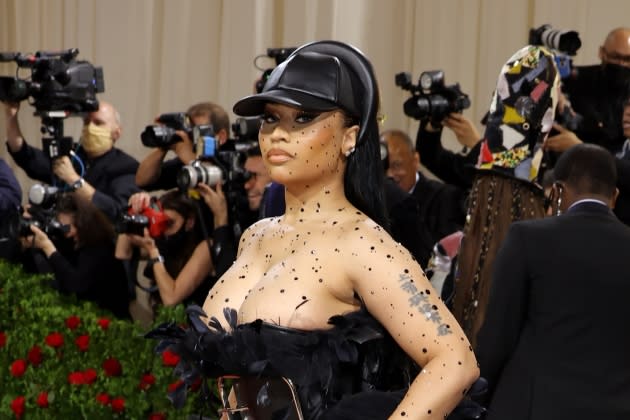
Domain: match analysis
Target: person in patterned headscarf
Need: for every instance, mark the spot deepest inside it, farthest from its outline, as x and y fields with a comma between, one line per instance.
x=510, y=166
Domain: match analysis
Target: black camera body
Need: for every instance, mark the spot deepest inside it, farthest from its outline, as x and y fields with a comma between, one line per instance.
x=132, y=224
x=42, y=214
x=279, y=55
x=216, y=164
x=163, y=134
x=47, y=223
x=245, y=129
x=431, y=100
x=58, y=82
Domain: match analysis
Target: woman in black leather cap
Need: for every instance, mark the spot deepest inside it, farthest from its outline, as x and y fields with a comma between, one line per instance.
x=323, y=296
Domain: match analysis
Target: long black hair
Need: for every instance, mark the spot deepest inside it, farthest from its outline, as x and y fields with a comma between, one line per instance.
x=364, y=178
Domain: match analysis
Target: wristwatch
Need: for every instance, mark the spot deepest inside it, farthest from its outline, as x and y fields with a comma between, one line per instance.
x=158, y=259
x=77, y=184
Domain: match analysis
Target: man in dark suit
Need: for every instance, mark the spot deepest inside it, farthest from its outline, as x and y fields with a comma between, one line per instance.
x=553, y=344
x=439, y=209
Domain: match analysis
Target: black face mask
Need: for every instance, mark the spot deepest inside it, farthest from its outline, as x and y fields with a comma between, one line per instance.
x=172, y=244
x=617, y=78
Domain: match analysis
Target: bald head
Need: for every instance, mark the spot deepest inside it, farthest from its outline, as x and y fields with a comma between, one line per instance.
x=616, y=48
x=403, y=159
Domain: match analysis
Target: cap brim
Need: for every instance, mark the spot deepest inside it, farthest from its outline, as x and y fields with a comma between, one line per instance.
x=255, y=104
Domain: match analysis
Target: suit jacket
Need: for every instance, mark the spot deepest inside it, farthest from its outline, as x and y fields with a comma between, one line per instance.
x=420, y=219
x=554, y=344
x=442, y=207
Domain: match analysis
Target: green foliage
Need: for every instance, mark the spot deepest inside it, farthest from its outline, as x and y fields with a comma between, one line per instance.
x=30, y=311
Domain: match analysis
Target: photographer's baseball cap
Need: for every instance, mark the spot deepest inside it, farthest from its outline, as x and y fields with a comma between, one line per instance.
x=309, y=80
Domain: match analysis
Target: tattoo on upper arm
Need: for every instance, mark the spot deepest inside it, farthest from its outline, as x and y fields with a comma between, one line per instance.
x=419, y=299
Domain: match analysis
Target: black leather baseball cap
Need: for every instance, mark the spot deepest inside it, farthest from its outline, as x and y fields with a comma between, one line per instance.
x=308, y=80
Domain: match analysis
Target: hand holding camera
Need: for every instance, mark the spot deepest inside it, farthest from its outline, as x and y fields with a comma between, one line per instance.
x=39, y=240
x=144, y=213
x=464, y=129
x=63, y=169
x=215, y=200
x=185, y=148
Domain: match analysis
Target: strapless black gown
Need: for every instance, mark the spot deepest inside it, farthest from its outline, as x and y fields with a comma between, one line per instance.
x=354, y=370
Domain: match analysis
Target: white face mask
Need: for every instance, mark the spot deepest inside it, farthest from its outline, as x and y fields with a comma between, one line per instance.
x=96, y=140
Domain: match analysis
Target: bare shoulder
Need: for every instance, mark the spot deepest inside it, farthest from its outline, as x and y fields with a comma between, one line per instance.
x=253, y=235
x=372, y=256
x=366, y=238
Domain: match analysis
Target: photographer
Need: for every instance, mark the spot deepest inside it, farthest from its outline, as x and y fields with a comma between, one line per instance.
x=179, y=259
x=439, y=208
x=82, y=259
x=155, y=174
x=450, y=167
x=597, y=93
x=108, y=178
x=435, y=104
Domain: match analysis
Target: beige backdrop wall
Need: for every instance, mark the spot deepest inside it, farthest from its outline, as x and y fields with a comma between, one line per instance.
x=163, y=55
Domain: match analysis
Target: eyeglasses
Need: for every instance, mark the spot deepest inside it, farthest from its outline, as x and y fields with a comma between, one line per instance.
x=616, y=58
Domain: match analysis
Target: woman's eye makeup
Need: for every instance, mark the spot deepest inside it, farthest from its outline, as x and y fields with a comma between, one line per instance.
x=268, y=118
x=306, y=117
x=302, y=117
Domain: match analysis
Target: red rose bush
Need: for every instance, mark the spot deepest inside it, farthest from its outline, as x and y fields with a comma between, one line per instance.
x=61, y=358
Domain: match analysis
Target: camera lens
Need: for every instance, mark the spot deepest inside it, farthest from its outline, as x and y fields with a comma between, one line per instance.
x=426, y=81
x=43, y=196
x=198, y=172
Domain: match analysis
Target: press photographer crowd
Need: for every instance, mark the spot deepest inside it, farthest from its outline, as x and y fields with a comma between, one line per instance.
x=109, y=227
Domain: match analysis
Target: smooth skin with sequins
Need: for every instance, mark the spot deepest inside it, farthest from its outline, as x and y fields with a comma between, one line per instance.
x=300, y=269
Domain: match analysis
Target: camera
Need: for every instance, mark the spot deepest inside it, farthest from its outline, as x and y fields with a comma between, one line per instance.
x=279, y=55
x=245, y=129
x=431, y=100
x=151, y=217
x=163, y=134
x=206, y=168
x=59, y=85
x=58, y=82
x=199, y=172
x=564, y=43
x=132, y=224
x=214, y=165
x=42, y=214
